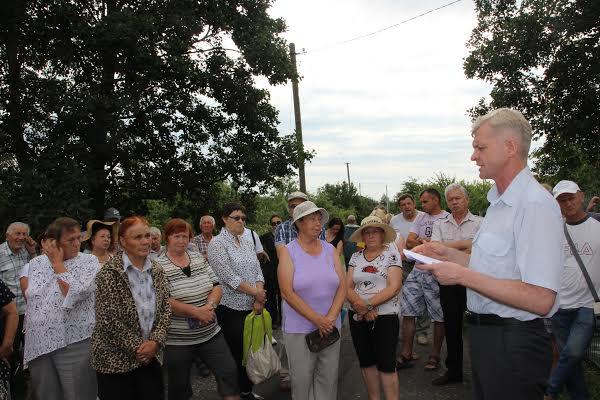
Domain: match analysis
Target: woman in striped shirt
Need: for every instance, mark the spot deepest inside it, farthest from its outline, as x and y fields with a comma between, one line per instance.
x=194, y=332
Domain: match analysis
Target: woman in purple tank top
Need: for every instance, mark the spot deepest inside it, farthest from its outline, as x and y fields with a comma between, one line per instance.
x=313, y=289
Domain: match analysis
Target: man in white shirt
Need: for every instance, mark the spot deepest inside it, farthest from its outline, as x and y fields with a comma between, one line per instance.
x=403, y=222
x=456, y=231
x=514, y=271
x=573, y=323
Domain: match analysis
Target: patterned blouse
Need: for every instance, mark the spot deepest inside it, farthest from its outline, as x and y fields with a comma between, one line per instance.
x=234, y=263
x=55, y=321
x=194, y=290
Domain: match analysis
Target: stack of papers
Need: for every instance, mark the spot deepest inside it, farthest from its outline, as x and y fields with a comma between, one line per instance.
x=411, y=255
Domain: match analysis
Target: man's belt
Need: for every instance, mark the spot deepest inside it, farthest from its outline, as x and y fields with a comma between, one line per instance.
x=493, y=319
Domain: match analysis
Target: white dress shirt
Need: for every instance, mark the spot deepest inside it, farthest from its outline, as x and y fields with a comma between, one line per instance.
x=520, y=239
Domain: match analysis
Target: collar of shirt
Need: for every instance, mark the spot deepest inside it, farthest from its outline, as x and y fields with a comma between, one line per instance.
x=230, y=236
x=513, y=191
x=127, y=263
x=5, y=249
x=468, y=217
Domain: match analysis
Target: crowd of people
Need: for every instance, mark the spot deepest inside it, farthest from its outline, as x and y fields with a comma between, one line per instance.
x=109, y=312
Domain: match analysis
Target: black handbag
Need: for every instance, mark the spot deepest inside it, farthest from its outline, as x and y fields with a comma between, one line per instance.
x=316, y=343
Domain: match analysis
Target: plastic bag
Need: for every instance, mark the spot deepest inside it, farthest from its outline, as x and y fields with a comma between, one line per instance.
x=260, y=359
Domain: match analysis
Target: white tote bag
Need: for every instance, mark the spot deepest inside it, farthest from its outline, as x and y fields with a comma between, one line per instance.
x=263, y=363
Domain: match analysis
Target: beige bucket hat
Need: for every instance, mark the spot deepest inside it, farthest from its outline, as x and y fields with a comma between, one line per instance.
x=373, y=221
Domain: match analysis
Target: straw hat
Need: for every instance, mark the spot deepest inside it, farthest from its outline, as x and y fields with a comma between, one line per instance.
x=113, y=226
x=308, y=207
x=373, y=221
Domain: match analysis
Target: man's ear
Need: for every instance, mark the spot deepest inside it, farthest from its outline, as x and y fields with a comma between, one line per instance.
x=512, y=145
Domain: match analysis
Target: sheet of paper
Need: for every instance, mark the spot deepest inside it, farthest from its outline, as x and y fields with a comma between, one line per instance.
x=411, y=255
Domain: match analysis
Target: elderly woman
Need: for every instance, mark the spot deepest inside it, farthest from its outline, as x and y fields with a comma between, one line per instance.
x=99, y=237
x=234, y=260
x=132, y=318
x=313, y=288
x=374, y=280
x=60, y=315
x=194, y=332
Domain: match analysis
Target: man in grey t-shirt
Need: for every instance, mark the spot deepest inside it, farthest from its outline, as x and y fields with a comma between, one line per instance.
x=421, y=292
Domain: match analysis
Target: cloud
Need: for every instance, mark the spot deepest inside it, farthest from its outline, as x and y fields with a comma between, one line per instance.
x=394, y=104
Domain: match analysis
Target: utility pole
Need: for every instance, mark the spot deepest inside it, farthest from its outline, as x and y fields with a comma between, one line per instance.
x=298, y=120
x=387, y=199
x=348, y=171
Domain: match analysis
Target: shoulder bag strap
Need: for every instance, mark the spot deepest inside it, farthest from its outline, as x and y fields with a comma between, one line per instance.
x=580, y=263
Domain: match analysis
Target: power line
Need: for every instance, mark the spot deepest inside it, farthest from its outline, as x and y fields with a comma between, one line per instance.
x=304, y=52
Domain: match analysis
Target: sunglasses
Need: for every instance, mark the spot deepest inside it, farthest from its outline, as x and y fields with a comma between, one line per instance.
x=275, y=223
x=237, y=218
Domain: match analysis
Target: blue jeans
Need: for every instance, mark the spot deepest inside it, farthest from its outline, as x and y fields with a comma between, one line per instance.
x=573, y=329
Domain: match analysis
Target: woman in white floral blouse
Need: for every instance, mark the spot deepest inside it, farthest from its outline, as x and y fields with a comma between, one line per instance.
x=234, y=261
x=60, y=316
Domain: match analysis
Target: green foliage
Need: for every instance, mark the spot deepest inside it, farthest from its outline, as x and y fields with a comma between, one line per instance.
x=477, y=190
x=543, y=58
x=106, y=103
x=341, y=200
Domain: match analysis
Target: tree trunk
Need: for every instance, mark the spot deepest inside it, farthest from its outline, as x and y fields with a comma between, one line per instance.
x=103, y=118
x=15, y=126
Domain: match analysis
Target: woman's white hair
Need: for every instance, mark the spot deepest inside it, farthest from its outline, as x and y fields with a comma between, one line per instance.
x=503, y=119
x=154, y=231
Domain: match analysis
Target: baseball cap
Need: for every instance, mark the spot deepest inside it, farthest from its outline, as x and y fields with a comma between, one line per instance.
x=297, y=195
x=565, y=187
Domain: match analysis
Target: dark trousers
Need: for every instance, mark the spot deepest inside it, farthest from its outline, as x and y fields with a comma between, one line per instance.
x=273, y=304
x=454, y=303
x=143, y=383
x=232, y=326
x=18, y=385
x=510, y=361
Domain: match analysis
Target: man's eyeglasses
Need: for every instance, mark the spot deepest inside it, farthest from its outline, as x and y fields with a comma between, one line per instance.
x=238, y=217
x=275, y=223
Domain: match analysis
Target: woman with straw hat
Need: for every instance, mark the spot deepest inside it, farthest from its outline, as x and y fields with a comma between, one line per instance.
x=374, y=280
x=313, y=289
x=99, y=238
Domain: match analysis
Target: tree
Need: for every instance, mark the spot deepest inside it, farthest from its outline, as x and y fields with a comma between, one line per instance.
x=111, y=103
x=341, y=200
x=477, y=191
x=543, y=58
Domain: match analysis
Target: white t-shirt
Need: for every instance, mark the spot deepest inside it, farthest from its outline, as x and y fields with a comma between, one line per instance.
x=401, y=225
x=258, y=248
x=370, y=277
x=574, y=291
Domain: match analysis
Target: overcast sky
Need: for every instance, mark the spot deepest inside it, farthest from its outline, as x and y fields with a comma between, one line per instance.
x=393, y=104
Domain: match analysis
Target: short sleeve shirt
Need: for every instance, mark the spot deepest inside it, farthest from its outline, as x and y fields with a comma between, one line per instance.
x=194, y=290
x=401, y=225
x=575, y=292
x=423, y=225
x=520, y=238
x=445, y=230
x=370, y=277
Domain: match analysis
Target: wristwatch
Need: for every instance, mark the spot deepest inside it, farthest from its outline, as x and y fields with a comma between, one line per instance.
x=369, y=305
x=213, y=304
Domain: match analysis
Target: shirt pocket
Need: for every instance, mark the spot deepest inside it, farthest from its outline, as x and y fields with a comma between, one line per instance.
x=492, y=244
